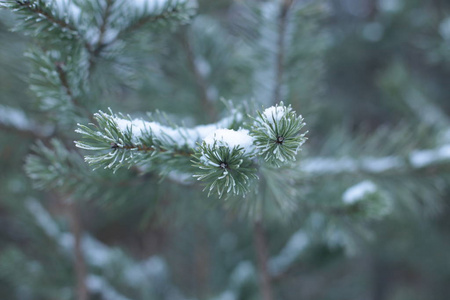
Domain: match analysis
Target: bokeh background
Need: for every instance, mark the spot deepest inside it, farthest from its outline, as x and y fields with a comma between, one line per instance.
x=371, y=77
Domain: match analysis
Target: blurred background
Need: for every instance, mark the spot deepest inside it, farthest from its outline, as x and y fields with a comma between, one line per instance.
x=370, y=77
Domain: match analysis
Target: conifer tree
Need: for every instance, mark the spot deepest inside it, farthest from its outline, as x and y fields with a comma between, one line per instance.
x=165, y=136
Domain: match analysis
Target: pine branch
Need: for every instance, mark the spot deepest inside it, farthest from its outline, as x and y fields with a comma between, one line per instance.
x=224, y=158
x=281, y=49
x=58, y=82
x=132, y=142
x=62, y=74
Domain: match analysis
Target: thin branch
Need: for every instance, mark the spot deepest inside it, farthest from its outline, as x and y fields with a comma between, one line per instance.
x=281, y=48
x=95, y=53
x=103, y=27
x=260, y=242
x=37, y=10
x=145, y=148
x=200, y=81
x=65, y=84
x=135, y=26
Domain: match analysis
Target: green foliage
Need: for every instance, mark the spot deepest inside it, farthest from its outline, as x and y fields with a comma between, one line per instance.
x=381, y=116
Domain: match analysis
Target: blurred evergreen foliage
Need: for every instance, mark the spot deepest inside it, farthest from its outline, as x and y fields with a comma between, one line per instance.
x=368, y=76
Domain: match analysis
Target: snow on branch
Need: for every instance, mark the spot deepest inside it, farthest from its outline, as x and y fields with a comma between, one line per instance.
x=288, y=255
x=225, y=162
x=358, y=192
x=226, y=159
x=277, y=134
x=12, y=118
x=424, y=158
x=131, y=141
x=416, y=159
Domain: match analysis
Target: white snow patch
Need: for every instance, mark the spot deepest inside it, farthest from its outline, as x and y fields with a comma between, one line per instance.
x=68, y=8
x=444, y=28
x=14, y=117
x=43, y=218
x=66, y=241
x=97, y=253
x=242, y=273
x=212, y=93
x=180, y=178
x=358, y=192
x=382, y=164
x=227, y=295
x=231, y=138
x=148, y=5
x=100, y=286
x=179, y=136
x=391, y=5
x=373, y=32
x=423, y=158
x=445, y=135
x=155, y=267
x=275, y=113
x=203, y=66
x=324, y=165
x=294, y=247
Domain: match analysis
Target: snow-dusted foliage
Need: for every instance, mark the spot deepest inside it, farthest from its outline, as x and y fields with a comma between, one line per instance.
x=277, y=134
x=225, y=159
x=230, y=139
x=225, y=162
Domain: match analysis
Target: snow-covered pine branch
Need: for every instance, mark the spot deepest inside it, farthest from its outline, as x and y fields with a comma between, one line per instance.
x=135, y=141
x=226, y=160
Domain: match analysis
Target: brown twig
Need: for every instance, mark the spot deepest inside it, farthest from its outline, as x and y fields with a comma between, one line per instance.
x=79, y=262
x=200, y=81
x=65, y=84
x=146, y=148
x=260, y=242
x=95, y=53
